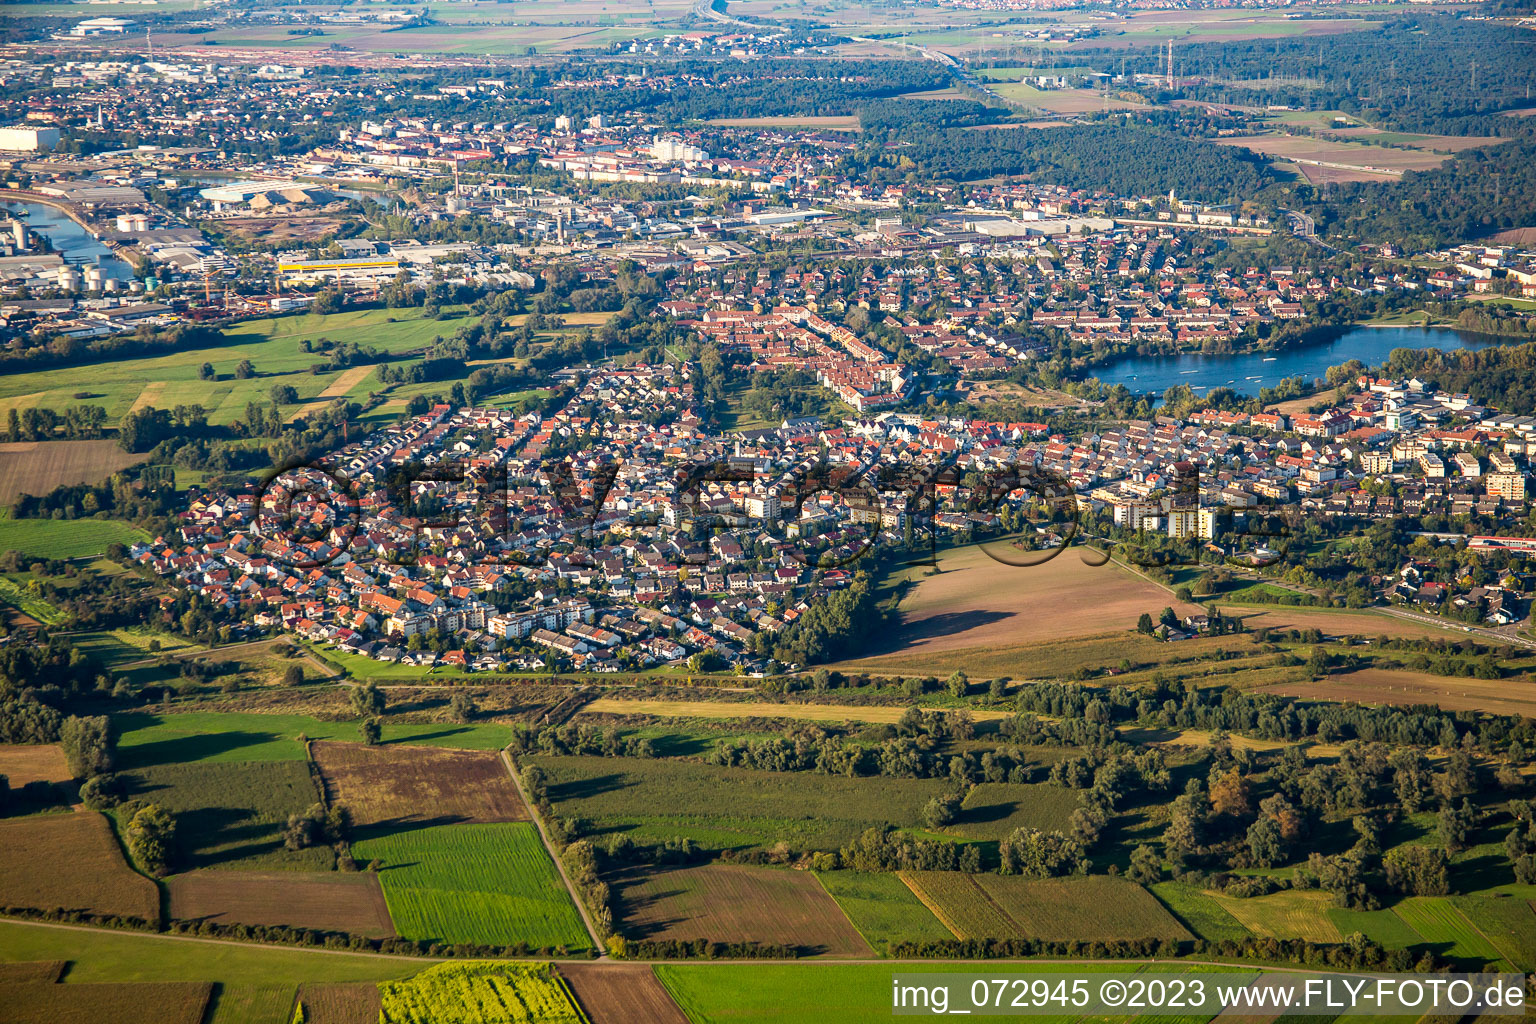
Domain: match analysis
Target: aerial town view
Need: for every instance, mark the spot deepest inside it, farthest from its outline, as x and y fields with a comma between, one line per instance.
x=756, y=511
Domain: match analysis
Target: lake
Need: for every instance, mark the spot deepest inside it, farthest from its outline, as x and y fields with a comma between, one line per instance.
x=68, y=239
x=1248, y=372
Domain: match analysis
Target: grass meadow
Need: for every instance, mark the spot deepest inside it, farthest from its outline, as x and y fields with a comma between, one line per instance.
x=729, y=808
x=65, y=538
x=1198, y=912
x=488, y=884
x=882, y=908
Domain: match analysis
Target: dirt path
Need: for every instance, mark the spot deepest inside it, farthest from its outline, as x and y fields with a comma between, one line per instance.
x=538, y=821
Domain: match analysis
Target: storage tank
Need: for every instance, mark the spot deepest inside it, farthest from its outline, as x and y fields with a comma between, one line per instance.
x=69, y=279
x=95, y=278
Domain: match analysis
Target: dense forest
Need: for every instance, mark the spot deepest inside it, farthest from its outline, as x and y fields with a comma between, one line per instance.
x=1125, y=158
x=1426, y=73
x=782, y=87
x=1479, y=193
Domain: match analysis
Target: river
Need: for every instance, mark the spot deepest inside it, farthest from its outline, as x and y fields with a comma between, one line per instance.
x=1248, y=372
x=68, y=239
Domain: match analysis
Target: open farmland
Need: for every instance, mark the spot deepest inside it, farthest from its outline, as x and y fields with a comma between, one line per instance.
x=1064, y=101
x=979, y=602
x=75, y=538
x=881, y=907
x=32, y=971
x=24, y=763
x=71, y=862
x=231, y=815
x=1447, y=928
x=1095, y=908
x=735, y=903
x=621, y=994
x=164, y=1002
x=37, y=467
x=989, y=906
x=1346, y=155
x=994, y=809
x=1198, y=912
x=1293, y=914
x=960, y=904
x=331, y=901
x=728, y=808
x=341, y=1003
x=1510, y=924
x=216, y=737
x=398, y=785
x=488, y=884
x=479, y=993
x=1401, y=687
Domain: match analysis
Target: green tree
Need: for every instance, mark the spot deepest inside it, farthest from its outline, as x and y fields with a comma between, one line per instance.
x=151, y=838
x=89, y=746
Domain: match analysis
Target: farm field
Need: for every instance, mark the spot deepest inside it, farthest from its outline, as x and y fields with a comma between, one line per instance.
x=31, y=971
x=488, y=884
x=978, y=602
x=75, y=538
x=37, y=467
x=810, y=993
x=987, y=906
x=1510, y=924
x=621, y=994
x=1401, y=687
x=97, y=955
x=1441, y=924
x=398, y=784
x=23, y=763
x=1064, y=101
x=1303, y=150
x=232, y=815
x=994, y=809
x=239, y=1003
x=1381, y=926
x=882, y=908
x=328, y=901
x=762, y=709
x=215, y=736
x=735, y=903
x=1094, y=908
x=478, y=993
x=71, y=861
x=1198, y=912
x=1293, y=914
x=728, y=808
x=341, y=1003
x=163, y=1002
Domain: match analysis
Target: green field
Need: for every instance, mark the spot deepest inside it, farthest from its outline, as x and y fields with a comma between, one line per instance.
x=882, y=908
x=231, y=814
x=1510, y=924
x=994, y=809
x=487, y=884
x=1444, y=927
x=273, y=346
x=1381, y=926
x=1096, y=907
x=97, y=955
x=722, y=808
x=146, y=739
x=1199, y=913
x=65, y=538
